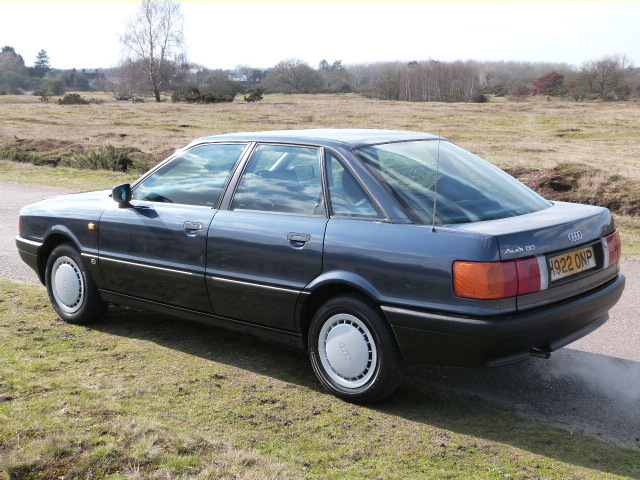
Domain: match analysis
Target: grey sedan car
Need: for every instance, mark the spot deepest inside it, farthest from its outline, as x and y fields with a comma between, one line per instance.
x=371, y=249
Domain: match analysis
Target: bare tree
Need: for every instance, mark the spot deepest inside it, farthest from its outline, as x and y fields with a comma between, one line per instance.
x=154, y=37
x=386, y=83
x=293, y=76
x=605, y=76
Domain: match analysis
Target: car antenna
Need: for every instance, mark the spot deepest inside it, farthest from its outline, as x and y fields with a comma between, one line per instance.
x=435, y=197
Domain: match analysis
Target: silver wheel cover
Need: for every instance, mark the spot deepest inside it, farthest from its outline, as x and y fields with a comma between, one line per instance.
x=347, y=350
x=67, y=285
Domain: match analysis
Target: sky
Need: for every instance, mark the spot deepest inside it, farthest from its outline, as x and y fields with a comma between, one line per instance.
x=219, y=34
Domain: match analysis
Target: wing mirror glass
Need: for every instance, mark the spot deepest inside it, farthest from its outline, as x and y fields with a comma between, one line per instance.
x=122, y=195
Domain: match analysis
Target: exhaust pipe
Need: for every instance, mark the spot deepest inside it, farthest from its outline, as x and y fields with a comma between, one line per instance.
x=539, y=353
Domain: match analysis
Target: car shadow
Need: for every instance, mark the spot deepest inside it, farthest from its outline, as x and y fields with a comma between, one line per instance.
x=574, y=391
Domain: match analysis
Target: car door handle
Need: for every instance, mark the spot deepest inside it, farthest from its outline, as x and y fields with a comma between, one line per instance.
x=298, y=237
x=192, y=228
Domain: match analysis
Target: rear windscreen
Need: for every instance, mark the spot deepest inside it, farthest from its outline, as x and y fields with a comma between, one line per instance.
x=469, y=188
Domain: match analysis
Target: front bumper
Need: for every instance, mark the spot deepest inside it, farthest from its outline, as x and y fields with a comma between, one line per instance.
x=487, y=342
x=29, y=250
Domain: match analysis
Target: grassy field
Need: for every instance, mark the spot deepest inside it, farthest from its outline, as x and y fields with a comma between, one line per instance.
x=590, y=148
x=141, y=396
x=533, y=134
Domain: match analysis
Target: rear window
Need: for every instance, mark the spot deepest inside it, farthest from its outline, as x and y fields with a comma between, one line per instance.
x=469, y=188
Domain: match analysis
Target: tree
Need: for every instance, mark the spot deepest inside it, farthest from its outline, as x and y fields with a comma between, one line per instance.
x=435, y=81
x=548, y=84
x=519, y=92
x=386, y=83
x=41, y=65
x=293, y=76
x=605, y=78
x=13, y=73
x=154, y=37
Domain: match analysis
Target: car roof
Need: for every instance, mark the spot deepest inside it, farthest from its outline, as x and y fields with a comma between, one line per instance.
x=327, y=137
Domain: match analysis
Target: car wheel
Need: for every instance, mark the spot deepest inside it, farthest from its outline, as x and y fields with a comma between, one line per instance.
x=71, y=289
x=353, y=350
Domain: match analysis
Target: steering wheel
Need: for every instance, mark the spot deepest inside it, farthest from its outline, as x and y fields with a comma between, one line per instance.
x=156, y=197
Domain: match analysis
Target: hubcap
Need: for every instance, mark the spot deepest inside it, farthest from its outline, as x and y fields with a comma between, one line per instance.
x=347, y=350
x=67, y=285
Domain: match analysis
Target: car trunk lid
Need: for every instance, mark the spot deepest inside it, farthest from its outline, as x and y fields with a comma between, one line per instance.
x=561, y=227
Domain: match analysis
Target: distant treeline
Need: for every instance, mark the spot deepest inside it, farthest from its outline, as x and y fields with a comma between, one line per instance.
x=607, y=78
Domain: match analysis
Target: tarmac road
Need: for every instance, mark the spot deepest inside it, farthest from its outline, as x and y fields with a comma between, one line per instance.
x=592, y=386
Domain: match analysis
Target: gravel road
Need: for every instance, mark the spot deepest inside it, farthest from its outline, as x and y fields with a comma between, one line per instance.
x=592, y=386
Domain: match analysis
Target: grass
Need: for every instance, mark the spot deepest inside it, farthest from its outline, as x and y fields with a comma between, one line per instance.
x=140, y=395
x=595, y=139
x=535, y=133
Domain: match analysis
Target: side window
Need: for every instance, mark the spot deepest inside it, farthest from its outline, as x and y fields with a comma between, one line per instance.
x=347, y=196
x=282, y=179
x=196, y=177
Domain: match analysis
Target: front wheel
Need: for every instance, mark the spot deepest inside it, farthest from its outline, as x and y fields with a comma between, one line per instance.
x=71, y=289
x=353, y=350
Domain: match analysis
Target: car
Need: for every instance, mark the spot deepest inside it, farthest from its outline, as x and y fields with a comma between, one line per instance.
x=371, y=249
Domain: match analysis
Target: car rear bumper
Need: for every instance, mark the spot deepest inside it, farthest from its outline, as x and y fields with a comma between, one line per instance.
x=487, y=342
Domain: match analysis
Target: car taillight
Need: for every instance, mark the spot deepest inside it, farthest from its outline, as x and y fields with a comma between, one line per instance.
x=495, y=280
x=612, y=249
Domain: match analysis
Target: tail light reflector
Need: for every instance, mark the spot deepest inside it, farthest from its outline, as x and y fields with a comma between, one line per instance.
x=612, y=249
x=496, y=280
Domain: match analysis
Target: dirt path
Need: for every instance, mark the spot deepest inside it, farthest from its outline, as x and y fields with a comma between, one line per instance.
x=13, y=197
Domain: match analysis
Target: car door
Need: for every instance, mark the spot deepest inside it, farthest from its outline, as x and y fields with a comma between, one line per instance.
x=268, y=245
x=155, y=249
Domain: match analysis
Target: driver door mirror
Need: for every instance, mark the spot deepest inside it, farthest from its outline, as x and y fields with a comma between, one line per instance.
x=122, y=195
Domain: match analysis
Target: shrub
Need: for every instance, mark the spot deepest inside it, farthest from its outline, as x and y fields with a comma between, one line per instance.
x=105, y=158
x=255, y=95
x=21, y=155
x=195, y=95
x=73, y=99
x=480, y=98
x=548, y=84
x=519, y=92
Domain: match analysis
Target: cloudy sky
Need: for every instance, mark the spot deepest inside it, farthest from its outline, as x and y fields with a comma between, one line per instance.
x=84, y=34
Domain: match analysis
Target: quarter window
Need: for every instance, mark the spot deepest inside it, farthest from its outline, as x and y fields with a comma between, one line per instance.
x=197, y=177
x=347, y=196
x=282, y=179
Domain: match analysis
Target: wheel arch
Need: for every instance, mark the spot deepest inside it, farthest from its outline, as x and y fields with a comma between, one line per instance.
x=326, y=287
x=55, y=237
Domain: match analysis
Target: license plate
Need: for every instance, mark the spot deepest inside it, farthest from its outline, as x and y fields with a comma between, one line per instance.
x=570, y=263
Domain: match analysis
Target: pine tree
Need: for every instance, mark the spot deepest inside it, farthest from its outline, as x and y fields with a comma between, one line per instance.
x=41, y=65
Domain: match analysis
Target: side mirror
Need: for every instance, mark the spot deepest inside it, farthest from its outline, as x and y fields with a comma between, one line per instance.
x=122, y=195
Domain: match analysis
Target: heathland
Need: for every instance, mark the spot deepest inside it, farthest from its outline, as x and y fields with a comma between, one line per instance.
x=577, y=151
x=142, y=396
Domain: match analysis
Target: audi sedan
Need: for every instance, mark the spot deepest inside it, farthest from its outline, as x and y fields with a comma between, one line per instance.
x=371, y=249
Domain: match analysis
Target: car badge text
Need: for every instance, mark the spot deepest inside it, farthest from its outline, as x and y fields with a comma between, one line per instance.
x=527, y=248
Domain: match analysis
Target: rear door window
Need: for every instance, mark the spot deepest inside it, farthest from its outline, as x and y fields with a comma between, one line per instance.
x=281, y=179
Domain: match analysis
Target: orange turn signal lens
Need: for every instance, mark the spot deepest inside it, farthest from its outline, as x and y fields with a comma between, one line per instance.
x=485, y=280
x=495, y=280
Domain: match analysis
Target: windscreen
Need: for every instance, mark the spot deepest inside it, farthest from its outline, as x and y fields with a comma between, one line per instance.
x=469, y=188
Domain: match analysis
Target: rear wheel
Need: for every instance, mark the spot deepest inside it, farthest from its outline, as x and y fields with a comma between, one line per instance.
x=353, y=350
x=71, y=289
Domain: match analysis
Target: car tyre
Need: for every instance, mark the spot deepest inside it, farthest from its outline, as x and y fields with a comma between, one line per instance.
x=71, y=289
x=353, y=350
